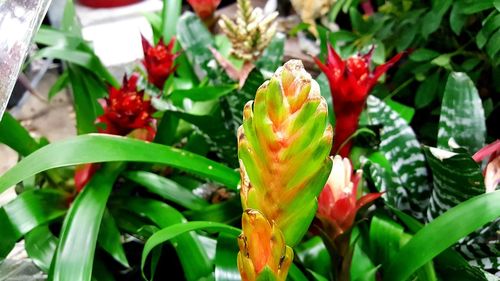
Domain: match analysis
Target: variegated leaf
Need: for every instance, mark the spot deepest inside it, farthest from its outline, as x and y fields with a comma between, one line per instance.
x=457, y=178
x=462, y=121
x=402, y=149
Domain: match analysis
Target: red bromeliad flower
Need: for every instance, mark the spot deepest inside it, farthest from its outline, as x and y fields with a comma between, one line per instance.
x=350, y=83
x=159, y=61
x=338, y=203
x=126, y=112
x=204, y=8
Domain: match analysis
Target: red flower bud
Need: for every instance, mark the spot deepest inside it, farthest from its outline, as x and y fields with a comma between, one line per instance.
x=350, y=83
x=204, y=8
x=159, y=61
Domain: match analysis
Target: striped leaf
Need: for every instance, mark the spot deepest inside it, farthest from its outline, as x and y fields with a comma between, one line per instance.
x=195, y=40
x=401, y=148
x=457, y=178
x=462, y=119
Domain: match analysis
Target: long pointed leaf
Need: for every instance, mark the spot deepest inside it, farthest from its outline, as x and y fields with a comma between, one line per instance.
x=75, y=252
x=107, y=148
x=442, y=233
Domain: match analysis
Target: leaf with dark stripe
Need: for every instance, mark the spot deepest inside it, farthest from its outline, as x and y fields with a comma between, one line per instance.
x=402, y=149
x=462, y=119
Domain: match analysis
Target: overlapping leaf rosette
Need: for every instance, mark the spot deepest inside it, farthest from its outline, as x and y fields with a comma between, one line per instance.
x=283, y=144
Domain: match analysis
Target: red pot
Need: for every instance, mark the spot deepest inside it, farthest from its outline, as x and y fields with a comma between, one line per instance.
x=107, y=3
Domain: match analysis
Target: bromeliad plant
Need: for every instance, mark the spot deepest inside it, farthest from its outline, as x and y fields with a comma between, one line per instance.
x=283, y=148
x=164, y=199
x=350, y=84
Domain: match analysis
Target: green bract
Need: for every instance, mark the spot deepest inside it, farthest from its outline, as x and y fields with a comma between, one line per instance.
x=284, y=144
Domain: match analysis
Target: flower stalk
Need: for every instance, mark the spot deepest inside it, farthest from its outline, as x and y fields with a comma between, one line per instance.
x=283, y=148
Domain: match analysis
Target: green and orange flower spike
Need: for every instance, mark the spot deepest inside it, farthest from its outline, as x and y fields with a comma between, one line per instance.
x=263, y=253
x=283, y=148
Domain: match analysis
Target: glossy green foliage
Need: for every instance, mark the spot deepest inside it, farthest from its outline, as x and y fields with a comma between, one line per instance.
x=74, y=256
x=409, y=189
x=462, y=121
x=106, y=148
x=443, y=232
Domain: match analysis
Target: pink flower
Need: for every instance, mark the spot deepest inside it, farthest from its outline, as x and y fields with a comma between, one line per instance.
x=204, y=8
x=338, y=203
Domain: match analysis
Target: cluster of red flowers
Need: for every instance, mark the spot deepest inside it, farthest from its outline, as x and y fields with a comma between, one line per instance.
x=127, y=112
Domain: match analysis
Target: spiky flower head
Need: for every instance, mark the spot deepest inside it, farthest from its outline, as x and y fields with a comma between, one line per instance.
x=251, y=32
x=283, y=150
x=126, y=109
x=263, y=253
x=350, y=83
x=159, y=61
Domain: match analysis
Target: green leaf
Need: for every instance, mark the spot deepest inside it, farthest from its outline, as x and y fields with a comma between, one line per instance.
x=427, y=91
x=41, y=244
x=314, y=256
x=462, y=114
x=69, y=22
x=401, y=148
x=59, y=85
x=442, y=233
x=404, y=111
x=472, y=7
x=456, y=178
x=85, y=106
x=491, y=24
x=107, y=148
x=154, y=20
x=226, y=212
x=75, y=252
x=226, y=268
x=272, y=57
x=109, y=239
x=168, y=189
x=192, y=255
x=423, y=54
x=362, y=268
x=449, y=264
x=457, y=18
x=493, y=45
x=325, y=93
x=432, y=20
x=14, y=135
x=205, y=93
x=169, y=18
x=83, y=58
x=195, y=40
x=166, y=132
x=173, y=231
x=443, y=61
x=26, y=212
x=385, y=239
